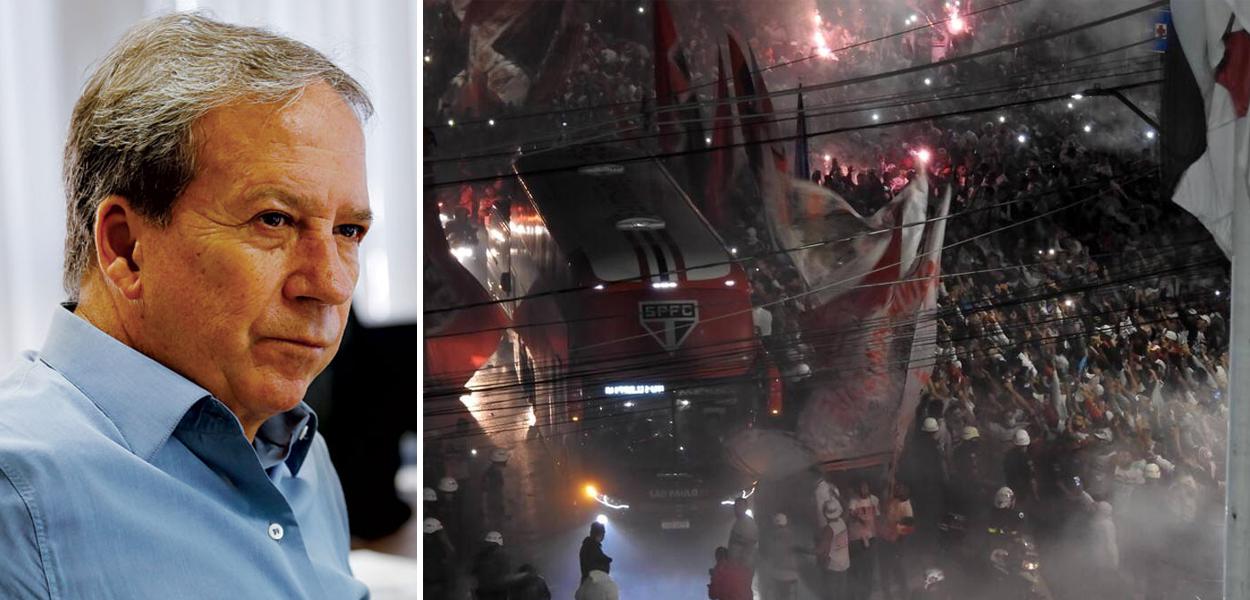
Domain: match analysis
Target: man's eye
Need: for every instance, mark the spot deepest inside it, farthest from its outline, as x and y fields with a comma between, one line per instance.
x=354, y=232
x=274, y=219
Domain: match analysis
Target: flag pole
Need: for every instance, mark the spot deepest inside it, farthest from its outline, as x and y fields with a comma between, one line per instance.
x=1237, y=507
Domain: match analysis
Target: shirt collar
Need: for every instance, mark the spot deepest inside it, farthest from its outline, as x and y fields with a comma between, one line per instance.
x=144, y=399
x=286, y=438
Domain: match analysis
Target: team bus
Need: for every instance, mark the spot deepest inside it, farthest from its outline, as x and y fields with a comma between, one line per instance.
x=632, y=332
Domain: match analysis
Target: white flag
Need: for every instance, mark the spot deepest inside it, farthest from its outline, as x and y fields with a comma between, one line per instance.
x=1217, y=48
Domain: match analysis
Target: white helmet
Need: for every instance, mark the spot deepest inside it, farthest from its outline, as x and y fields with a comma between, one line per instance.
x=1152, y=471
x=1022, y=437
x=930, y=425
x=448, y=485
x=430, y=495
x=1004, y=497
x=495, y=537
x=833, y=510
x=971, y=433
x=499, y=456
x=999, y=556
x=933, y=576
x=432, y=525
x=780, y=520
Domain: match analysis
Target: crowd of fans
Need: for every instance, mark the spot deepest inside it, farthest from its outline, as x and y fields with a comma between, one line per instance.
x=1100, y=331
x=1081, y=361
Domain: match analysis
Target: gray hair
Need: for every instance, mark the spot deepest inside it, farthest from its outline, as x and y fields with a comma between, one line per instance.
x=131, y=131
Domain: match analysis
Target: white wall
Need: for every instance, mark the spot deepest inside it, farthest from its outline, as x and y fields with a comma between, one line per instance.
x=47, y=49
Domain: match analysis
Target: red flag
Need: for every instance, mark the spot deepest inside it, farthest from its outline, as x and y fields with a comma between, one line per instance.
x=854, y=410
x=744, y=87
x=768, y=159
x=1219, y=179
x=917, y=298
x=560, y=61
x=457, y=342
x=720, y=172
x=672, y=75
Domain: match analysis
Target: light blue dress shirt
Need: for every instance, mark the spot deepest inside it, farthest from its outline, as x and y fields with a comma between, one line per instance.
x=121, y=479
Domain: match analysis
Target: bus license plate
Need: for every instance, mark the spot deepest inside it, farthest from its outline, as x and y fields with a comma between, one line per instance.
x=675, y=525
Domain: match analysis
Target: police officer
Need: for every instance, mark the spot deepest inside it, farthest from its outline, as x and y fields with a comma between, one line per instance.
x=969, y=474
x=494, y=510
x=1006, y=519
x=1019, y=469
x=439, y=559
x=451, y=512
x=491, y=568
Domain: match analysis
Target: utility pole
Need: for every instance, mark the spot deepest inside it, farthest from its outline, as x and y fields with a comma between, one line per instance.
x=1237, y=500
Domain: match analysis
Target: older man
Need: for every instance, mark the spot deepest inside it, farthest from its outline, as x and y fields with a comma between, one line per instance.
x=157, y=445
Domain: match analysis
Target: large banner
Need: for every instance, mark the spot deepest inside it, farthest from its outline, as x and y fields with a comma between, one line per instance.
x=870, y=324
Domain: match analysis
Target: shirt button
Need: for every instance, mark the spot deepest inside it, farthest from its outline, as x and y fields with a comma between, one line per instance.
x=275, y=531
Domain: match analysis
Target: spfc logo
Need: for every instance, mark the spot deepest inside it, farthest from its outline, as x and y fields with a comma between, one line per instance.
x=670, y=323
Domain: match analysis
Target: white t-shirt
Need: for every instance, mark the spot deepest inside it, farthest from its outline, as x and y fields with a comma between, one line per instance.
x=840, y=550
x=743, y=538
x=824, y=493
x=763, y=320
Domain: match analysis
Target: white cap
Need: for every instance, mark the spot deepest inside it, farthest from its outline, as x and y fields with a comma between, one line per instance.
x=971, y=433
x=1022, y=437
x=933, y=576
x=430, y=495
x=833, y=509
x=499, y=456
x=780, y=520
x=1171, y=336
x=432, y=525
x=1004, y=497
x=930, y=425
x=448, y=484
x=1152, y=471
x=494, y=537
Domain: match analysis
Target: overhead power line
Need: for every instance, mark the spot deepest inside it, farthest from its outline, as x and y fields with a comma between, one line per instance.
x=788, y=138
x=778, y=252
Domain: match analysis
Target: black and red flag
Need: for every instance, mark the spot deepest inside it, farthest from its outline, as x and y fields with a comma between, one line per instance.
x=672, y=84
x=674, y=101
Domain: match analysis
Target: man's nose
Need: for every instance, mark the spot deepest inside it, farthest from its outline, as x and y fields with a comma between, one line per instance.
x=323, y=273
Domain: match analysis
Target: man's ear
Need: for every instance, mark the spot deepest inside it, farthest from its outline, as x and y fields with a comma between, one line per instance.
x=117, y=226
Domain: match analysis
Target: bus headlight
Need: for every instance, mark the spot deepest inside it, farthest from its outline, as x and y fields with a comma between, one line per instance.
x=593, y=493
